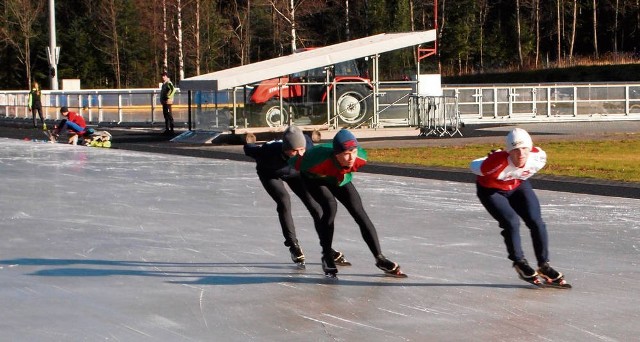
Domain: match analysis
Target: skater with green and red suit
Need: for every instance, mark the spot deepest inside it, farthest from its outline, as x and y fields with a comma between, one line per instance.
x=504, y=190
x=327, y=171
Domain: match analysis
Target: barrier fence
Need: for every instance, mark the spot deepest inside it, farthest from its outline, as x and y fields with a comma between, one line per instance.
x=435, y=115
x=397, y=105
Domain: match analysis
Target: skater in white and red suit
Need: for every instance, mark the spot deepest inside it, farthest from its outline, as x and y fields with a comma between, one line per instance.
x=504, y=190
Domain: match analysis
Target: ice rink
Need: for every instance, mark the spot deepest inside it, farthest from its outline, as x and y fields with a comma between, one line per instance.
x=115, y=245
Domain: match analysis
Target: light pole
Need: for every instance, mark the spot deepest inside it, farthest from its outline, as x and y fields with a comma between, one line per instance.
x=53, y=52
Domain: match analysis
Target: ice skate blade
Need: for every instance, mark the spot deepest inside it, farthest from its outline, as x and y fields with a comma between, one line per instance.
x=301, y=265
x=331, y=276
x=341, y=261
x=396, y=274
x=533, y=280
x=563, y=286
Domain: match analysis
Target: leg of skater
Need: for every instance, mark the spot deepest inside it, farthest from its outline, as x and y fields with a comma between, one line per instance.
x=326, y=227
x=297, y=186
x=528, y=207
x=275, y=188
x=349, y=197
x=498, y=206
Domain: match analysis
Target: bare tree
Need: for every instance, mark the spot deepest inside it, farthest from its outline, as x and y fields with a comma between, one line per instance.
x=289, y=17
x=239, y=28
x=595, y=30
x=573, y=29
x=537, y=20
x=483, y=7
x=165, y=37
x=108, y=28
x=18, y=30
x=178, y=37
x=519, y=33
x=559, y=29
x=615, y=26
x=197, y=37
x=289, y=11
x=346, y=21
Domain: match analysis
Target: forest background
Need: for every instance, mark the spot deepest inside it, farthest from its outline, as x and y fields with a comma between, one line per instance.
x=127, y=43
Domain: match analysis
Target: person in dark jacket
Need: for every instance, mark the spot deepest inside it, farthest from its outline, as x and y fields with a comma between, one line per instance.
x=166, y=99
x=35, y=104
x=274, y=171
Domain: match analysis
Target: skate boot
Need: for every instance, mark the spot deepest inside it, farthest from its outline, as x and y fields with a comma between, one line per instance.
x=389, y=267
x=297, y=256
x=552, y=277
x=339, y=258
x=525, y=272
x=329, y=267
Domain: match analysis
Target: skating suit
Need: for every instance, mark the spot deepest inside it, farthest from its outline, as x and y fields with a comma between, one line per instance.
x=274, y=170
x=328, y=181
x=496, y=171
x=504, y=190
x=321, y=164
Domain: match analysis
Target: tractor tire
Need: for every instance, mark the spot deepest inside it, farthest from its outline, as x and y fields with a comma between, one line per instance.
x=353, y=105
x=270, y=115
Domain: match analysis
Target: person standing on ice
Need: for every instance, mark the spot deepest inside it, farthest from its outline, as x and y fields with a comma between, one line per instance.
x=327, y=172
x=505, y=192
x=35, y=104
x=274, y=171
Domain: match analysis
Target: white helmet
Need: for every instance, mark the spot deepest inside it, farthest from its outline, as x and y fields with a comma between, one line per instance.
x=518, y=138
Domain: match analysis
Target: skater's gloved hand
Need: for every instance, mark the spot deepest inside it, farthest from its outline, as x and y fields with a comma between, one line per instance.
x=316, y=136
x=250, y=138
x=494, y=151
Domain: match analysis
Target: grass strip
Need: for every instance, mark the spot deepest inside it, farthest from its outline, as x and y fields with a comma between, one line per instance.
x=615, y=159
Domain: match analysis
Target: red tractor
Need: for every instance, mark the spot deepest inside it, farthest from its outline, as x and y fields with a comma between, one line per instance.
x=304, y=94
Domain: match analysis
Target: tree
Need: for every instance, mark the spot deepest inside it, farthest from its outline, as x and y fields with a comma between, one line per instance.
x=18, y=31
x=483, y=9
x=573, y=28
x=518, y=30
x=595, y=30
x=108, y=28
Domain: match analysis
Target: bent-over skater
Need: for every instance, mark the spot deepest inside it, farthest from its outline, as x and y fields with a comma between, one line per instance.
x=504, y=190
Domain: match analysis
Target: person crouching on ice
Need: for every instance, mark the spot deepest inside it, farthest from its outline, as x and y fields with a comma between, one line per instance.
x=73, y=123
x=505, y=191
x=327, y=171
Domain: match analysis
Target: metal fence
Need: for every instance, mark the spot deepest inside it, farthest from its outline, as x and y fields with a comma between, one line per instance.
x=547, y=102
x=398, y=105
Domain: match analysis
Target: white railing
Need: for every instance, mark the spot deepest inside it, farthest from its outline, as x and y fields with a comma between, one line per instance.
x=475, y=104
x=547, y=102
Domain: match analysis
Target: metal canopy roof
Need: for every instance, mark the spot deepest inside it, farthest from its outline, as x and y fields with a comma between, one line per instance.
x=316, y=58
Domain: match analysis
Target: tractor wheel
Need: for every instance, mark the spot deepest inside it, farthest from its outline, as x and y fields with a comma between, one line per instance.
x=353, y=104
x=270, y=115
